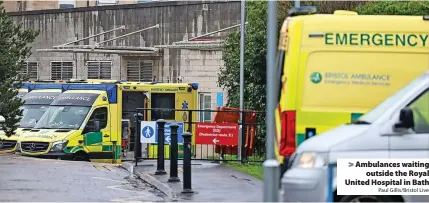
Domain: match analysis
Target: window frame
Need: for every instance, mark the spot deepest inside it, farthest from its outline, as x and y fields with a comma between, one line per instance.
x=62, y=69
x=98, y=64
x=28, y=72
x=140, y=64
x=202, y=106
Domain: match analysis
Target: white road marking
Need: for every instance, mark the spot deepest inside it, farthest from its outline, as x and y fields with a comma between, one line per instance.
x=129, y=199
x=118, y=181
x=115, y=187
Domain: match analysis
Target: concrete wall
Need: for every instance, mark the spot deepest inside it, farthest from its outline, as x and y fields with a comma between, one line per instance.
x=30, y=5
x=178, y=21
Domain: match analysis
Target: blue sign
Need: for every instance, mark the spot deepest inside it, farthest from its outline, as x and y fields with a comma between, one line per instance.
x=167, y=133
x=147, y=131
x=219, y=99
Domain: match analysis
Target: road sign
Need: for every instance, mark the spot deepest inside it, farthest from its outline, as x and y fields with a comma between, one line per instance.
x=148, y=131
x=216, y=133
x=167, y=133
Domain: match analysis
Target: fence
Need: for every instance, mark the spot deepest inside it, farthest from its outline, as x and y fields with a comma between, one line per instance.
x=216, y=140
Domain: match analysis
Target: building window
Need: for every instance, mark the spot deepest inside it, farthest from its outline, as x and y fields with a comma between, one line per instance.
x=144, y=1
x=107, y=2
x=205, y=104
x=64, y=4
x=99, y=69
x=61, y=70
x=29, y=69
x=139, y=70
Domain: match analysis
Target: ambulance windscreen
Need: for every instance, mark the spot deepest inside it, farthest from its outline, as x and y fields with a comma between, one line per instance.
x=63, y=117
x=31, y=114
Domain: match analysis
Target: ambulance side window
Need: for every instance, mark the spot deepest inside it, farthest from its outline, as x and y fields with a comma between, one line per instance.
x=420, y=109
x=101, y=115
x=164, y=101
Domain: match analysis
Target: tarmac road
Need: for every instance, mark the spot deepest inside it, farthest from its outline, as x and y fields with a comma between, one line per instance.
x=26, y=179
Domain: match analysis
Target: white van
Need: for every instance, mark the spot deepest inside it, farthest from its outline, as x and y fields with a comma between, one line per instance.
x=396, y=128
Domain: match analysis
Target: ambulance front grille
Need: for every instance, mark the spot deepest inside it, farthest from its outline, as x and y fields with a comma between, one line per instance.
x=34, y=146
x=7, y=144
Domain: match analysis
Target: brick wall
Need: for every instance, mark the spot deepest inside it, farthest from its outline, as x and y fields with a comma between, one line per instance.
x=203, y=67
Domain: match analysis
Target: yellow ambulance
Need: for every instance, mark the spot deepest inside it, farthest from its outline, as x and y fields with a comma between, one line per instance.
x=37, y=98
x=335, y=67
x=85, y=121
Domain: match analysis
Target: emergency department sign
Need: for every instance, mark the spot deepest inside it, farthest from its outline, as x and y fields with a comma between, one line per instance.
x=148, y=131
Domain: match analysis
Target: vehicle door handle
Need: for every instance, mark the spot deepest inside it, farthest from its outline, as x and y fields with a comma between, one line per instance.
x=106, y=135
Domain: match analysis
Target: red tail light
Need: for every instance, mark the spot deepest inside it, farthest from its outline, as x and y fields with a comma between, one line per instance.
x=288, y=132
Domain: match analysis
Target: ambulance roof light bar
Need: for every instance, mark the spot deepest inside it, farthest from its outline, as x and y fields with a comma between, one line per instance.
x=302, y=10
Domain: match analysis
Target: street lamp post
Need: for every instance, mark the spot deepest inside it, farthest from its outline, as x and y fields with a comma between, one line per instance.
x=242, y=49
x=271, y=165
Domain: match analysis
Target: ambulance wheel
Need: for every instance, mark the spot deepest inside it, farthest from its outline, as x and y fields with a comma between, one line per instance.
x=80, y=156
x=367, y=198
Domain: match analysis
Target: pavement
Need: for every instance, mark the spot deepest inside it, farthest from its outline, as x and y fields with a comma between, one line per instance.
x=211, y=182
x=26, y=179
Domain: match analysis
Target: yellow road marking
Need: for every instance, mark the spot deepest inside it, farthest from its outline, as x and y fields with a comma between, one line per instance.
x=108, y=168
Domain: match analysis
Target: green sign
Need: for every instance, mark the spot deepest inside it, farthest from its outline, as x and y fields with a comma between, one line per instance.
x=316, y=77
x=377, y=39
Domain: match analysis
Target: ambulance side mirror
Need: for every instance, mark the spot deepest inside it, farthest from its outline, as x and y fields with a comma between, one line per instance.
x=406, y=120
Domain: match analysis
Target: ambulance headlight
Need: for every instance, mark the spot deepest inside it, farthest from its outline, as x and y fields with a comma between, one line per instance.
x=311, y=160
x=59, y=145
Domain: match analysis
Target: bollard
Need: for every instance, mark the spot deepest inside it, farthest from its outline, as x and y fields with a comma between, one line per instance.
x=160, y=159
x=173, y=154
x=137, y=144
x=187, y=179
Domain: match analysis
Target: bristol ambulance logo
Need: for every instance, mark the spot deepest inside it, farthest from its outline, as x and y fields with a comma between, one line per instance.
x=316, y=77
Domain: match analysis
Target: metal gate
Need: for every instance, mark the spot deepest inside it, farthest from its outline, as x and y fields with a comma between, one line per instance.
x=203, y=148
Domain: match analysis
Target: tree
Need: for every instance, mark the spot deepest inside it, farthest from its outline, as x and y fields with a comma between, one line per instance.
x=255, y=56
x=14, y=50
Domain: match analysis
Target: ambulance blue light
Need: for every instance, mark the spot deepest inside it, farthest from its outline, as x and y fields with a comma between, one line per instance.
x=194, y=86
x=25, y=85
x=32, y=87
x=109, y=88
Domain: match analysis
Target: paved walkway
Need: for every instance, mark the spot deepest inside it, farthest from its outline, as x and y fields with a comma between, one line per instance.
x=210, y=182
